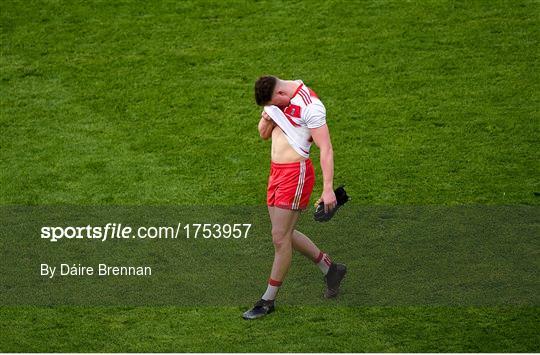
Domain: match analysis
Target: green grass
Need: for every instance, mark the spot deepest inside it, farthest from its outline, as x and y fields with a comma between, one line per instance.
x=133, y=103
x=294, y=329
x=147, y=103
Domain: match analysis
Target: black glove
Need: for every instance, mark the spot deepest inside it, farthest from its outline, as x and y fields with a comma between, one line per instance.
x=341, y=198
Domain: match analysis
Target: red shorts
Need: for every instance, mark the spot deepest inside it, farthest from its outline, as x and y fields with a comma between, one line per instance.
x=290, y=185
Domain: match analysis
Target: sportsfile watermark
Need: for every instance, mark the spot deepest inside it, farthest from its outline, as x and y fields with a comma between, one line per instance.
x=221, y=255
x=121, y=231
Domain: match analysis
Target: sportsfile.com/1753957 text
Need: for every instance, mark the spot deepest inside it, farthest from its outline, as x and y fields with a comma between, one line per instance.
x=119, y=231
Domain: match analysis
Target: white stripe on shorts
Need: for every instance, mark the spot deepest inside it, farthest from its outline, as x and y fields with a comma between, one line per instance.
x=300, y=186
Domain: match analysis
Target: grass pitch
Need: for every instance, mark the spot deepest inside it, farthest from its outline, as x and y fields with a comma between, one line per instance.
x=130, y=103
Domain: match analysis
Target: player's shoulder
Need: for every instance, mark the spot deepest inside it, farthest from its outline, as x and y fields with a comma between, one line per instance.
x=314, y=114
x=306, y=101
x=308, y=94
x=316, y=107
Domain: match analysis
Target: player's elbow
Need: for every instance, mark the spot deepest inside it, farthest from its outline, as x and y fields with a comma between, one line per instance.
x=326, y=152
x=326, y=148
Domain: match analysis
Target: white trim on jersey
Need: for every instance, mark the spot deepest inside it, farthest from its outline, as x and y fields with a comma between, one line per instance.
x=306, y=97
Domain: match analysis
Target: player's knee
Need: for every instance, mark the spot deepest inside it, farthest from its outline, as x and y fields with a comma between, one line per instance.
x=282, y=244
x=280, y=239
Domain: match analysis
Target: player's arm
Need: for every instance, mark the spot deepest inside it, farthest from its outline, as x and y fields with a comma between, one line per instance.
x=266, y=126
x=321, y=137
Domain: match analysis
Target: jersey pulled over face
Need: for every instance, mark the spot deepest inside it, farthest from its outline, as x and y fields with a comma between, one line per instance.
x=305, y=111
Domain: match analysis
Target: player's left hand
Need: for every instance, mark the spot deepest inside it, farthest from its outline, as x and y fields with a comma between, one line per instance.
x=329, y=199
x=324, y=213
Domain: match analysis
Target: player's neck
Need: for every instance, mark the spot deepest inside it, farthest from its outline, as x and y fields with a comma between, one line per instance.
x=290, y=87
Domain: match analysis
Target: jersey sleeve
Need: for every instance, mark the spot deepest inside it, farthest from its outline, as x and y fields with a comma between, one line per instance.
x=315, y=115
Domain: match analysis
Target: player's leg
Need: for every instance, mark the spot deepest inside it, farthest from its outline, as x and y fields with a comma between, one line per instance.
x=263, y=307
x=271, y=212
x=333, y=272
x=283, y=222
x=306, y=246
x=299, y=242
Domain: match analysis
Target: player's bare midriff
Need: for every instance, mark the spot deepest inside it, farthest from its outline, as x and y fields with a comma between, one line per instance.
x=282, y=152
